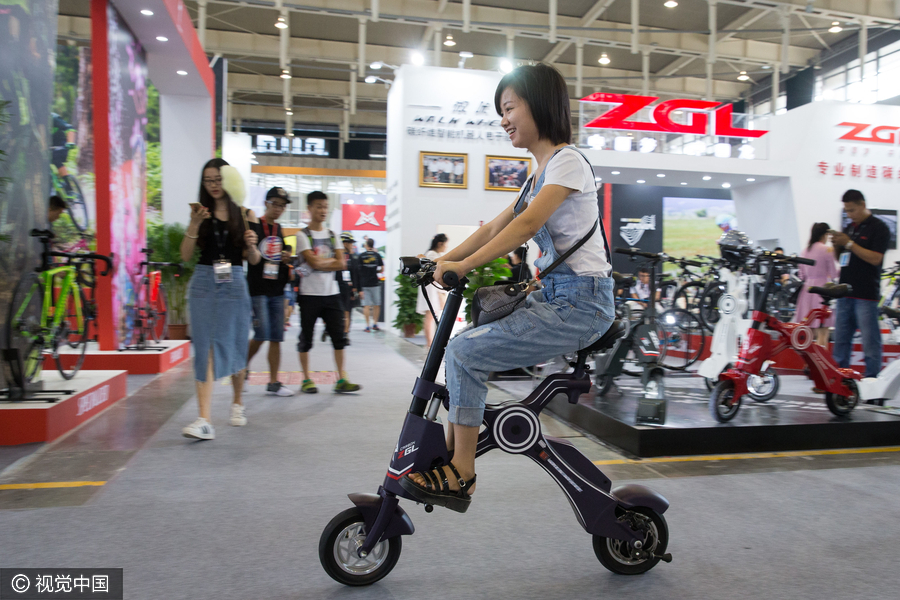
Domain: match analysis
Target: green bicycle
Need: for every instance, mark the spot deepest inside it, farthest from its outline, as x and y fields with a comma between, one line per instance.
x=50, y=311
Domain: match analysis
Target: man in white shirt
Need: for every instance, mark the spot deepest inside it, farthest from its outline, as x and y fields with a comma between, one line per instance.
x=319, y=255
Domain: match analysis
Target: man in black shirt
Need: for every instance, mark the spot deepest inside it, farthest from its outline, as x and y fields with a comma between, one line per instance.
x=860, y=251
x=266, y=281
x=370, y=267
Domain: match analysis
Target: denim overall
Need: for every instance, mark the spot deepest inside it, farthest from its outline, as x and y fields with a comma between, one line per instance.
x=570, y=313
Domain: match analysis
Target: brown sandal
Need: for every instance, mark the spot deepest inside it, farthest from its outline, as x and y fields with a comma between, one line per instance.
x=436, y=490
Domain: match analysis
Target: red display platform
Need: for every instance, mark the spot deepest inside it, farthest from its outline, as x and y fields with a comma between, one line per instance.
x=136, y=362
x=41, y=421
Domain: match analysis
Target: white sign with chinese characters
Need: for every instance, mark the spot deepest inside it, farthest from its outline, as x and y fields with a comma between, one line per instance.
x=458, y=120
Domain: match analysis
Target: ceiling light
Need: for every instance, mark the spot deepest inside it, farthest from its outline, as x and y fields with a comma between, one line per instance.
x=751, y=179
x=505, y=65
x=418, y=59
x=660, y=175
x=670, y=4
x=604, y=59
x=835, y=27
x=370, y=200
x=281, y=23
x=376, y=65
x=147, y=12
x=706, y=178
x=465, y=54
x=350, y=201
x=181, y=72
x=641, y=181
x=684, y=183
x=743, y=76
x=371, y=79
x=598, y=179
x=726, y=185
x=767, y=67
x=162, y=38
x=288, y=111
x=615, y=172
x=449, y=41
x=285, y=74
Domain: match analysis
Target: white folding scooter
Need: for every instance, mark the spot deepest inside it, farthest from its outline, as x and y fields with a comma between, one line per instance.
x=885, y=387
x=725, y=343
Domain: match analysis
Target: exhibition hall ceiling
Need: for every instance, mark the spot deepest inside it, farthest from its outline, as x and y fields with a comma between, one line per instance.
x=324, y=48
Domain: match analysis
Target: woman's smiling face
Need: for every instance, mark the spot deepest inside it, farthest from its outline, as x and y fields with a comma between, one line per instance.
x=516, y=120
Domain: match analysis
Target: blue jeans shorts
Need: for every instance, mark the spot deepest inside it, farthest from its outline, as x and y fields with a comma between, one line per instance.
x=268, y=318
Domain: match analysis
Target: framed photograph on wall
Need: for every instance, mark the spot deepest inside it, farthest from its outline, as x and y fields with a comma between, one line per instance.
x=506, y=173
x=443, y=169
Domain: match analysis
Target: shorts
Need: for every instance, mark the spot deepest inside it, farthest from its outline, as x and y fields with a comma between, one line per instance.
x=332, y=313
x=59, y=156
x=346, y=296
x=268, y=318
x=371, y=296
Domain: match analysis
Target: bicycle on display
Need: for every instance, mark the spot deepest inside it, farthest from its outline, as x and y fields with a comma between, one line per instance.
x=49, y=310
x=840, y=385
x=68, y=188
x=362, y=544
x=148, y=311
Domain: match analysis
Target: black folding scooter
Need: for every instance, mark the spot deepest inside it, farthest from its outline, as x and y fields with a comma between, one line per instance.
x=362, y=544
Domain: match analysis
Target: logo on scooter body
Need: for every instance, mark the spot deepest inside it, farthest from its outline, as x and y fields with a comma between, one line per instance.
x=407, y=450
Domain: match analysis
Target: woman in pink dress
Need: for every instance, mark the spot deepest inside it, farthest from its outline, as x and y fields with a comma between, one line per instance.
x=824, y=271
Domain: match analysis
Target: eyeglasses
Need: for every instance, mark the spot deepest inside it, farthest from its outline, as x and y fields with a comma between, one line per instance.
x=278, y=205
x=209, y=181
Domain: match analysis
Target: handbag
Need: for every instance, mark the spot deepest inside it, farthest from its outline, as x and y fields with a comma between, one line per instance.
x=493, y=302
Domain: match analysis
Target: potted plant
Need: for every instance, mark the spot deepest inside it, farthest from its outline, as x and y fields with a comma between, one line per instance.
x=496, y=270
x=407, y=319
x=165, y=241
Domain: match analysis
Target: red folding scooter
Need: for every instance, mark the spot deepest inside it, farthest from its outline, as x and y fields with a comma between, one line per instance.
x=841, y=392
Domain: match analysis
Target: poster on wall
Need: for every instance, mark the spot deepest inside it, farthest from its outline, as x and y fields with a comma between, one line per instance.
x=692, y=226
x=443, y=169
x=127, y=165
x=72, y=149
x=505, y=173
x=888, y=216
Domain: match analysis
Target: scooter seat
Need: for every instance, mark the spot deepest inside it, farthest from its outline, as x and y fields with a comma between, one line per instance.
x=622, y=280
x=891, y=313
x=832, y=290
x=606, y=341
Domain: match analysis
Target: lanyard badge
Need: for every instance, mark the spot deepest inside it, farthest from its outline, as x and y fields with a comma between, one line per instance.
x=222, y=270
x=270, y=270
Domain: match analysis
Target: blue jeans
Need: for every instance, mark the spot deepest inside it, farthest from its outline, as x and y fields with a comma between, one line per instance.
x=853, y=314
x=569, y=314
x=268, y=318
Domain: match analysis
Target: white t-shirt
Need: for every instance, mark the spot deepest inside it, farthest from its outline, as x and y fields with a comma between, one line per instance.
x=641, y=290
x=577, y=214
x=316, y=283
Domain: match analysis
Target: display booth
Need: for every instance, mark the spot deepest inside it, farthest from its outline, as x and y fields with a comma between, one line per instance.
x=674, y=175
x=104, y=148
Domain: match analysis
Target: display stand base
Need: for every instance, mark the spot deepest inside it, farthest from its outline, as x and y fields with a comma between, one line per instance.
x=136, y=362
x=784, y=423
x=29, y=421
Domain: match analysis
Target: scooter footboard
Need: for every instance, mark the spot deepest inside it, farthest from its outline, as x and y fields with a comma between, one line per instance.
x=370, y=504
x=579, y=462
x=632, y=495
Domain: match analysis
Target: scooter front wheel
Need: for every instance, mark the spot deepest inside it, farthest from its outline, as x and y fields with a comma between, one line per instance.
x=842, y=405
x=338, y=545
x=723, y=406
x=763, y=387
x=623, y=558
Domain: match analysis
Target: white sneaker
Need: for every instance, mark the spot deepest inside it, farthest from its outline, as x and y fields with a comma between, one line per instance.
x=237, y=415
x=200, y=429
x=278, y=389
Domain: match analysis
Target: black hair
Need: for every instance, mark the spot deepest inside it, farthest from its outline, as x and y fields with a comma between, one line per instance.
x=235, y=220
x=777, y=248
x=521, y=253
x=544, y=90
x=854, y=196
x=57, y=203
x=644, y=270
x=818, y=230
x=438, y=240
x=370, y=244
x=313, y=196
x=288, y=247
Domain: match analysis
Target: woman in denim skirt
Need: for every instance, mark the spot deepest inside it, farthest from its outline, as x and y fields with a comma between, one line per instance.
x=557, y=207
x=219, y=301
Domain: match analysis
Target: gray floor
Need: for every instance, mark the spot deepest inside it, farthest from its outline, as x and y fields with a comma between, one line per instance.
x=240, y=517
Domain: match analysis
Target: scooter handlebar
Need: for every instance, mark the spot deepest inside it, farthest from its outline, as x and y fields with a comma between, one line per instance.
x=636, y=252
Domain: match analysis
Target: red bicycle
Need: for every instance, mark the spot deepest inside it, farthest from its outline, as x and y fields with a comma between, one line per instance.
x=841, y=391
x=148, y=313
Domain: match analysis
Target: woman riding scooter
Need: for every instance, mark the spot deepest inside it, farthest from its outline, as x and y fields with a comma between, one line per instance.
x=557, y=207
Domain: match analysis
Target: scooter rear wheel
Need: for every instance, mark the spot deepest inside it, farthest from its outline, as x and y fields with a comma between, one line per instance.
x=723, y=406
x=339, y=543
x=603, y=384
x=620, y=557
x=842, y=405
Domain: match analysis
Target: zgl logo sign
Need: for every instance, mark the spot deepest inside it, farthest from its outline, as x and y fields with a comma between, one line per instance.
x=882, y=134
x=698, y=110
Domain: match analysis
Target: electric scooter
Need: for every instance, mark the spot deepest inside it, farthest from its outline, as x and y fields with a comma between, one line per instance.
x=642, y=338
x=840, y=385
x=885, y=387
x=731, y=323
x=362, y=544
